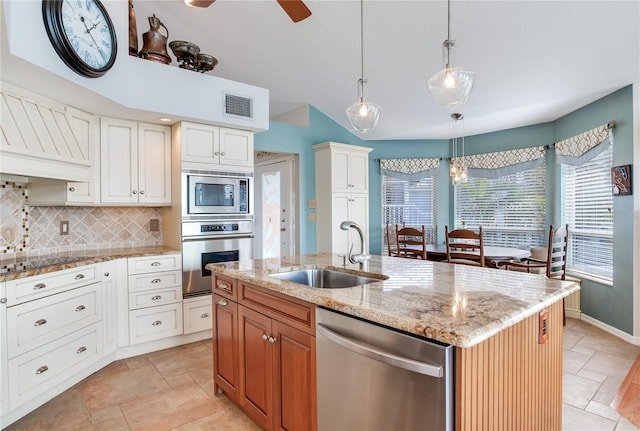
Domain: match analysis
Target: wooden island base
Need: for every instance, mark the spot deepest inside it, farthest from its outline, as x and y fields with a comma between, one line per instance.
x=510, y=381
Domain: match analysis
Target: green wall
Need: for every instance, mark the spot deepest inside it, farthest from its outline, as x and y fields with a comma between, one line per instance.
x=612, y=305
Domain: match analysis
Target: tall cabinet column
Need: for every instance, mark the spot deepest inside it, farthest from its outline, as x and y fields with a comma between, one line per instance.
x=342, y=193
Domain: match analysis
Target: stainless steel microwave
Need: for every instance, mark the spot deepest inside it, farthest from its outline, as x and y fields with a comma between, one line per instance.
x=216, y=194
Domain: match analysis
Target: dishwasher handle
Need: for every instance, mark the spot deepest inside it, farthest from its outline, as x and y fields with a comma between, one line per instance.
x=381, y=356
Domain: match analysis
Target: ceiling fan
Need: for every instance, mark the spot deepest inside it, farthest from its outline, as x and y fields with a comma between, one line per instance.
x=296, y=9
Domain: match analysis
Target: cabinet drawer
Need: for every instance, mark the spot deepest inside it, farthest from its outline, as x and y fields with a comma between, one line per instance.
x=47, y=366
x=153, y=323
x=161, y=280
x=294, y=312
x=39, y=286
x=35, y=323
x=164, y=262
x=197, y=315
x=151, y=298
x=225, y=286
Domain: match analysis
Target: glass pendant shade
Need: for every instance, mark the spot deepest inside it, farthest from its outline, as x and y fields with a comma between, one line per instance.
x=452, y=86
x=363, y=116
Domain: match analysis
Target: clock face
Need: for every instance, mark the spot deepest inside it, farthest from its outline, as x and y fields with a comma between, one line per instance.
x=82, y=34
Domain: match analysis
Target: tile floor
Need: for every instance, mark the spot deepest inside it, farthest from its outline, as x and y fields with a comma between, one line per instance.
x=172, y=390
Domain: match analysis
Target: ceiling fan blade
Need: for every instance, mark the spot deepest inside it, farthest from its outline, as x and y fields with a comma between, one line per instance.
x=199, y=3
x=296, y=9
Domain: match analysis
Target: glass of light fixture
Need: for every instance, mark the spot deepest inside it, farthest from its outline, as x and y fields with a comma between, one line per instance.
x=457, y=169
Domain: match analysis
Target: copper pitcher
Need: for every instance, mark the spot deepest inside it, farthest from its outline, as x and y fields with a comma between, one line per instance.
x=155, y=43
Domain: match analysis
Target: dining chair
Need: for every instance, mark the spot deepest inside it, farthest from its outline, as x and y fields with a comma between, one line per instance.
x=555, y=264
x=464, y=246
x=411, y=242
x=390, y=236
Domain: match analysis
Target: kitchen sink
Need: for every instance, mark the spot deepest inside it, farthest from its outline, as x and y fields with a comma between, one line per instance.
x=324, y=278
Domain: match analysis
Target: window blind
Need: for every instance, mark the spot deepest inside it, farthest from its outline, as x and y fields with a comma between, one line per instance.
x=409, y=203
x=588, y=209
x=510, y=209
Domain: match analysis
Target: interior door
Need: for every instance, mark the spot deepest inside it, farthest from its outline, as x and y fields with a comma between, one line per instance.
x=274, y=202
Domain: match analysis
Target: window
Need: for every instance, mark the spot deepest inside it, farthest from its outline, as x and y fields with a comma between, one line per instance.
x=510, y=209
x=409, y=203
x=588, y=209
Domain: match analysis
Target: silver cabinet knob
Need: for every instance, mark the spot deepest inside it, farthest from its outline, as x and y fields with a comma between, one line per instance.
x=265, y=337
x=155, y=298
x=156, y=281
x=39, y=322
x=135, y=192
x=155, y=264
x=72, y=189
x=106, y=274
x=141, y=192
x=3, y=300
x=39, y=286
x=79, y=277
x=222, y=302
x=272, y=340
x=80, y=307
x=157, y=322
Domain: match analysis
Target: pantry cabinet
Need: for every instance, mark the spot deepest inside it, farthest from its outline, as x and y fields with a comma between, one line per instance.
x=135, y=163
x=218, y=147
x=342, y=193
x=274, y=338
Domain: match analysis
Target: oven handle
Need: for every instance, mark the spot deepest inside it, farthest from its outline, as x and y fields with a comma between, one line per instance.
x=206, y=238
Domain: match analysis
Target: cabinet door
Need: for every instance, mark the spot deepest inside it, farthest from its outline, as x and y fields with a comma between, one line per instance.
x=359, y=213
x=225, y=345
x=255, y=394
x=154, y=164
x=4, y=379
x=236, y=147
x=119, y=161
x=341, y=212
x=295, y=379
x=359, y=172
x=110, y=292
x=199, y=143
x=340, y=171
x=86, y=131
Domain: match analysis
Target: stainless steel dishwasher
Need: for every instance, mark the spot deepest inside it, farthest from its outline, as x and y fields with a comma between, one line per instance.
x=372, y=378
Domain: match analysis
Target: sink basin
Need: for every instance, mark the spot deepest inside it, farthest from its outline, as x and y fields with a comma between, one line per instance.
x=324, y=278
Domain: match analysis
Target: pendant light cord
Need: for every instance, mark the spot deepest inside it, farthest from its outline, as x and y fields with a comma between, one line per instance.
x=362, y=50
x=448, y=42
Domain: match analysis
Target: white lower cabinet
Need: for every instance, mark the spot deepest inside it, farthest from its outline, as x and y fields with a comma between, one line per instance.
x=4, y=377
x=155, y=297
x=44, y=367
x=197, y=314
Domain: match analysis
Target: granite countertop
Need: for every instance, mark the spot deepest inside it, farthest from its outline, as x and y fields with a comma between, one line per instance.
x=14, y=268
x=455, y=304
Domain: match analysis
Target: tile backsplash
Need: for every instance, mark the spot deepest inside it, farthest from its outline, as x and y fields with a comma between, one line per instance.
x=35, y=230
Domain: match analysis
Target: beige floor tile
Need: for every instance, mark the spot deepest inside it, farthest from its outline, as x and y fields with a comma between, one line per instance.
x=113, y=424
x=603, y=410
x=615, y=366
x=625, y=425
x=119, y=386
x=187, y=360
x=179, y=379
x=169, y=408
x=578, y=391
x=605, y=343
x=66, y=412
x=574, y=419
x=598, y=377
x=105, y=414
x=574, y=361
x=231, y=419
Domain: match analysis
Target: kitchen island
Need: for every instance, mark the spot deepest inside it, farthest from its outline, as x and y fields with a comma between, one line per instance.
x=505, y=377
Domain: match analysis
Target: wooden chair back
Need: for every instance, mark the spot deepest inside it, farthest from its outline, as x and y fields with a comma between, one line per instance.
x=390, y=236
x=464, y=246
x=411, y=242
x=557, y=252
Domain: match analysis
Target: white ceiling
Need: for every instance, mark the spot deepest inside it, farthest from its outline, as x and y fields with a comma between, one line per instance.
x=535, y=61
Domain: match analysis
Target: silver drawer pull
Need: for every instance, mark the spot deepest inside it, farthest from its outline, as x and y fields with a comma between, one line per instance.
x=204, y=315
x=156, y=281
x=157, y=322
x=155, y=264
x=222, y=302
x=42, y=369
x=81, y=349
x=79, y=277
x=155, y=298
x=39, y=286
x=80, y=307
x=40, y=322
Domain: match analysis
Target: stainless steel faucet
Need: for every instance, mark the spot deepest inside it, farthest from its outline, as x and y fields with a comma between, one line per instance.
x=361, y=258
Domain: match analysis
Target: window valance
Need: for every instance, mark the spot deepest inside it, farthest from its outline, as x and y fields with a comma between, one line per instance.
x=584, y=147
x=409, y=169
x=501, y=163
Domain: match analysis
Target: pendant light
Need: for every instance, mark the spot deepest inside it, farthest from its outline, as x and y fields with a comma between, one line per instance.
x=457, y=169
x=362, y=115
x=451, y=86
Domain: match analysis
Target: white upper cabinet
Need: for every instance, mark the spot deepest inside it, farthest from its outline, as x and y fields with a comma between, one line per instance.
x=214, y=147
x=135, y=163
x=349, y=170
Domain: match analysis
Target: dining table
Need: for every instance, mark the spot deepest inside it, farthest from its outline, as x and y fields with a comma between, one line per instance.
x=492, y=254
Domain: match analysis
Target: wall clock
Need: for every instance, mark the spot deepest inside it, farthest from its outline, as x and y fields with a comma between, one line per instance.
x=82, y=34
